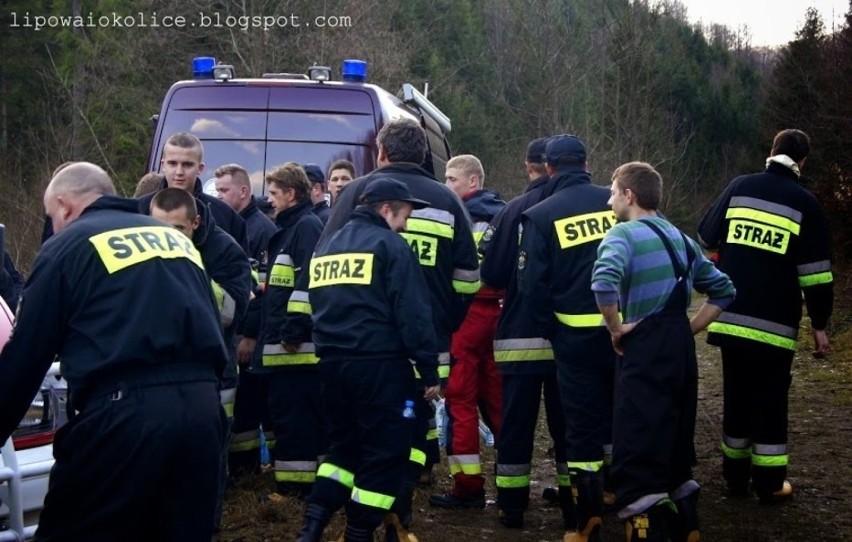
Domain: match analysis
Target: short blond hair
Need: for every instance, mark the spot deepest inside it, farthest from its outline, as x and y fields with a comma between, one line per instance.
x=470, y=164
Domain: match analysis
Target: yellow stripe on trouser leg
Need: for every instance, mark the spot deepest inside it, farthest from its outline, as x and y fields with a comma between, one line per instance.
x=372, y=498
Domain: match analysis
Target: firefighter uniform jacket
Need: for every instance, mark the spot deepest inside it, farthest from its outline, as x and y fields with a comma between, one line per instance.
x=558, y=249
x=259, y=228
x=226, y=218
x=370, y=299
x=289, y=253
x=774, y=244
x=519, y=347
x=118, y=296
x=227, y=266
x=440, y=237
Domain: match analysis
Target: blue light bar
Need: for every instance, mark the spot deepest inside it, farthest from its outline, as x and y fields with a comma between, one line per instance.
x=202, y=67
x=354, y=71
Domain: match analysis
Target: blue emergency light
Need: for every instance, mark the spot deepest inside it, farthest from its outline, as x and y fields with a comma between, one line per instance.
x=354, y=71
x=202, y=67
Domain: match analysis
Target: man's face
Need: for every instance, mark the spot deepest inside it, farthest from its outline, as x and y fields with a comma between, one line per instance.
x=459, y=182
x=181, y=166
x=397, y=220
x=232, y=193
x=178, y=219
x=280, y=198
x=337, y=179
x=317, y=193
x=619, y=202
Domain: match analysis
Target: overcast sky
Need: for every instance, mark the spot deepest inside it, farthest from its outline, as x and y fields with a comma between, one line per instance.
x=770, y=22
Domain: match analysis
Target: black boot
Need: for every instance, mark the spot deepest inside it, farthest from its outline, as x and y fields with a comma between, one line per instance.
x=686, y=525
x=651, y=525
x=316, y=518
x=356, y=533
x=587, y=490
x=737, y=473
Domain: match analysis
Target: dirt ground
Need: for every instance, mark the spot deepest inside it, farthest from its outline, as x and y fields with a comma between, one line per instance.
x=820, y=471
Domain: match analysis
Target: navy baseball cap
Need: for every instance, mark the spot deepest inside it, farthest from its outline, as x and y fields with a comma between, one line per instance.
x=535, y=150
x=314, y=173
x=390, y=190
x=565, y=150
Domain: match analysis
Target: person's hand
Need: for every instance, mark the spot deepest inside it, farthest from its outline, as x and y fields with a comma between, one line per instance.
x=431, y=392
x=291, y=348
x=821, y=344
x=618, y=334
x=245, y=350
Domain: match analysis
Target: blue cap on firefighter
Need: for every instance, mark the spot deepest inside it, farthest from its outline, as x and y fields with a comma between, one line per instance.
x=390, y=190
x=314, y=173
x=565, y=150
x=535, y=150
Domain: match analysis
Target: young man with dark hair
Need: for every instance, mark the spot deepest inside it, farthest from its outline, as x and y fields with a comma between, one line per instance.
x=371, y=320
x=646, y=270
x=317, y=178
x=340, y=173
x=773, y=241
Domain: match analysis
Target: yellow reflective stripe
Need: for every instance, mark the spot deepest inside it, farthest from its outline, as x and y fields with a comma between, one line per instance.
x=338, y=474
x=563, y=480
x=417, y=456
x=816, y=278
x=735, y=453
x=229, y=409
x=126, y=247
x=582, y=320
x=245, y=446
x=300, y=307
x=544, y=354
x=432, y=434
x=422, y=225
x=769, y=460
x=282, y=275
x=270, y=443
x=753, y=334
x=443, y=371
x=758, y=236
x=511, y=482
x=425, y=247
x=588, y=466
x=372, y=498
x=466, y=463
x=295, y=476
x=465, y=287
x=347, y=268
x=763, y=216
x=278, y=360
x=218, y=294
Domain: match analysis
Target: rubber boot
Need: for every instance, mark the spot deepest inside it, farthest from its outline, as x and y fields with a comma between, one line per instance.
x=316, y=518
x=737, y=473
x=568, y=507
x=355, y=533
x=587, y=491
x=652, y=525
x=397, y=530
x=686, y=525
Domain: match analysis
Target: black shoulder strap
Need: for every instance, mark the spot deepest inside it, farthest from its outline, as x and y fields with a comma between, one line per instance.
x=680, y=271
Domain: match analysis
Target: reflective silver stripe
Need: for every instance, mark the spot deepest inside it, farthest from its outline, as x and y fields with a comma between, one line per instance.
x=229, y=309
x=816, y=267
x=513, y=470
x=640, y=505
x=769, y=449
x=299, y=296
x=738, y=443
x=534, y=343
x=438, y=215
x=284, y=259
x=228, y=395
x=479, y=227
x=768, y=206
x=467, y=275
x=759, y=324
x=296, y=466
x=261, y=277
x=607, y=449
x=685, y=489
x=271, y=349
x=444, y=358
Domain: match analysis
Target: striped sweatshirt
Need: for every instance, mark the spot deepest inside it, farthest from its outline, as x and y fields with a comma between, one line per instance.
x=634, y=270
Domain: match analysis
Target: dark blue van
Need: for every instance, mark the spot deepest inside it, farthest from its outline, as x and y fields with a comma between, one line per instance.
x=262, y=123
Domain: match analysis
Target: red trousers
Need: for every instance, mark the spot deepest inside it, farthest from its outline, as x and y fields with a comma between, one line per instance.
x=474, y=385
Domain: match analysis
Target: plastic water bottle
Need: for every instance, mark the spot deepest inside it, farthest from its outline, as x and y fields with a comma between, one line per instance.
x=408, y=411
x=440, y=421
x=265, y=458
x=486, y=434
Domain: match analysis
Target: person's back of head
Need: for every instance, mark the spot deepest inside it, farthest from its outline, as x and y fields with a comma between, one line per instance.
x=793, y=143
x=148, y=184
x=643, y=181
x=535, y=158
x=402, y=141
x=172, y=199
x=72, y=189
x=565, y=151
